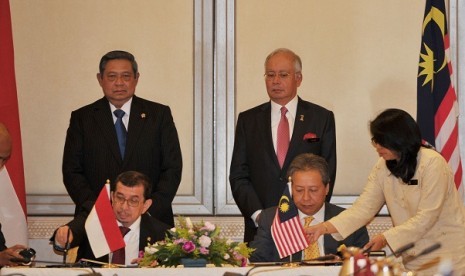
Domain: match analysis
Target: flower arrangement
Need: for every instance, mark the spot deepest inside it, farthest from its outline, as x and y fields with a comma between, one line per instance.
x=195, y=241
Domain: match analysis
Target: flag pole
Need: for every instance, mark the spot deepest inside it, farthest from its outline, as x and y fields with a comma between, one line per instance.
x=291, y=263
x=109, y=264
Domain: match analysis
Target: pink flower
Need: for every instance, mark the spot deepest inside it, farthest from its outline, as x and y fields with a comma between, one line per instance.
x=209, y=226
x=178, y=241
x=244, y=262
x=188, y=247
x=237, y=255
x=204, y=251
x=311, y=137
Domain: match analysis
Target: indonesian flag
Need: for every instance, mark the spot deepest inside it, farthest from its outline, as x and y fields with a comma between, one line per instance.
x=101, y=227
x=12, y=187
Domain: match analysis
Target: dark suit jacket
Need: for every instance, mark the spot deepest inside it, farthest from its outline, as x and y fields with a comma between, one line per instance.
x=257, y=181
x=266, y=250
x=151, y=230
x=91, y=153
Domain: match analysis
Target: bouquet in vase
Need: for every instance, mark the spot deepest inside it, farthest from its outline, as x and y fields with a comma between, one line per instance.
x=195, y=241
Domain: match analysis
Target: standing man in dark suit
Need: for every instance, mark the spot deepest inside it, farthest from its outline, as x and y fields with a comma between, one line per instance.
x=309, y=185
x=130, y=199
x=270, y=135
x=147, y=141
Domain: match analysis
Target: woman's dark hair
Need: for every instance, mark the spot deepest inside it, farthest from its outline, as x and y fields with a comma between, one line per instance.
x=396, y=130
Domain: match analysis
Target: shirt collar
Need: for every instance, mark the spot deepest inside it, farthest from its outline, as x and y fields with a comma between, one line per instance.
x=126, y=107
x=135, y=226
x=291, y=107
x=318, y=216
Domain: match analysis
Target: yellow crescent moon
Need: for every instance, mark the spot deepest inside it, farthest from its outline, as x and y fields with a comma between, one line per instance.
x=436, y=16
x=283, y=198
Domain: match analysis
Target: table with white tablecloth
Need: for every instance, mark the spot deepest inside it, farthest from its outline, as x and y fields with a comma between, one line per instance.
x=214, y=271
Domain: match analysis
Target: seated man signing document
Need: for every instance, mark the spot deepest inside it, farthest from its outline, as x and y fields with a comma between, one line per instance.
x=310, y=179
x=130, y=197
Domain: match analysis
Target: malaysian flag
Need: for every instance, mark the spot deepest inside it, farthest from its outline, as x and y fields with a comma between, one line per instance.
x=287, y=231
x=437, y=108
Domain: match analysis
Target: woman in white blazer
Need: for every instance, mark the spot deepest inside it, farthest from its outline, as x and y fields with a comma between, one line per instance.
x=417, y=186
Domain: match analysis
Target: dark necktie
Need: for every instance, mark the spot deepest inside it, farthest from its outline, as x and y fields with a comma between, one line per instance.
x=119, y=255
x=120, y=131
x=282, y=141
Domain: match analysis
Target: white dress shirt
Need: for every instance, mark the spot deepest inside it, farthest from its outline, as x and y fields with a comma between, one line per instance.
x=132, y=242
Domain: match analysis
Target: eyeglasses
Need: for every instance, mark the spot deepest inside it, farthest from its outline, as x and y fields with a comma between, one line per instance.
x=123, y=76
x=280, y=75
x=133, y=201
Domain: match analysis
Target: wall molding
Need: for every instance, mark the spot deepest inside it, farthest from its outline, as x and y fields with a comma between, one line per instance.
x=62, y=205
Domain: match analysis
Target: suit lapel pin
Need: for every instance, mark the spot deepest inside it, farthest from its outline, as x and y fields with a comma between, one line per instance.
x=301, y=118
x=142, y=115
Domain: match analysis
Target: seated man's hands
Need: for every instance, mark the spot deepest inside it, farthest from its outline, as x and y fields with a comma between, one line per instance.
x=10, y=253
x=61, y=236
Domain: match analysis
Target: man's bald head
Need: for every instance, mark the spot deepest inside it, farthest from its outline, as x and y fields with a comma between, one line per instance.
x=5, y=145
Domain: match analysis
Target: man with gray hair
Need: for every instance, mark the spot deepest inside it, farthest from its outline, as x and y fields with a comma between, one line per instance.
x=122, y=132
x=269, y=136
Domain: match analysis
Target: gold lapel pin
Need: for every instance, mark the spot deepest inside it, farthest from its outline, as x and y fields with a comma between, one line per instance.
x=301, y=118
x=142, y=115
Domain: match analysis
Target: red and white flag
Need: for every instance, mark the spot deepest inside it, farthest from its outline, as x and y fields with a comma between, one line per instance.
x=12, y=187
x=101, y=226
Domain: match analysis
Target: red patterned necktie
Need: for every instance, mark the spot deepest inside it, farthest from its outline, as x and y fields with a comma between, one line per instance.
x=282, y=143
x=119, y=255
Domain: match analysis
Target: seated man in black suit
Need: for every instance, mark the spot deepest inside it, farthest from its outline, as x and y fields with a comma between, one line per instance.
x=5, y=151
x=309, y=185
x=130, y=196
x=6, y=254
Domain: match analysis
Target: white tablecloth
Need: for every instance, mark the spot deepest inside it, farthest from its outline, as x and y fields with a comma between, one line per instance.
x=235, y=271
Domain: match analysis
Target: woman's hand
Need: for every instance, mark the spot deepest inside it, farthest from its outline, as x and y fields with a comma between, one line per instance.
x=378, y=242
x=315, y=231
